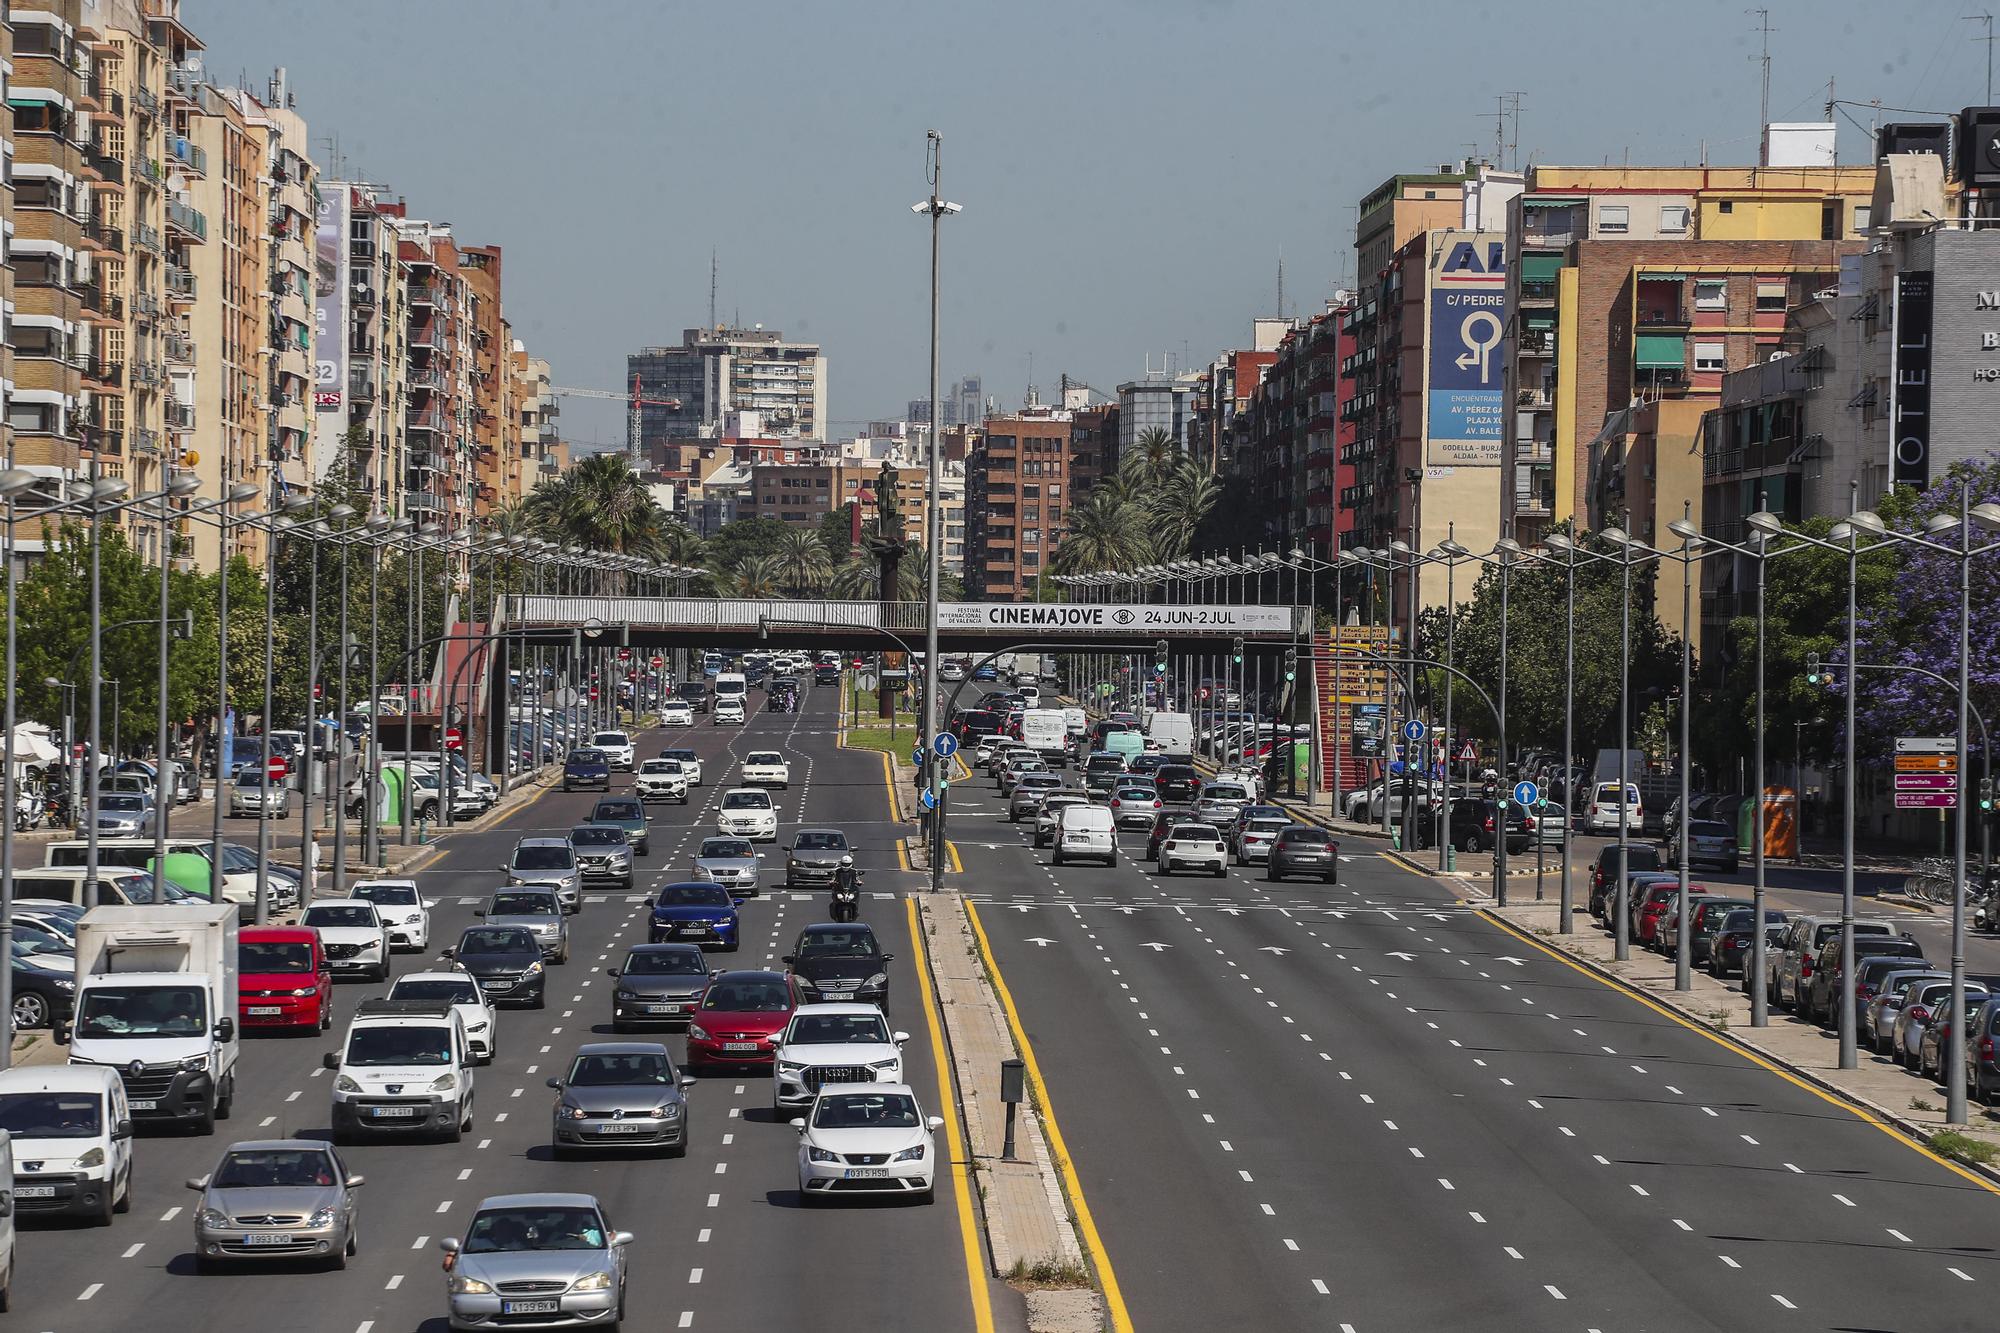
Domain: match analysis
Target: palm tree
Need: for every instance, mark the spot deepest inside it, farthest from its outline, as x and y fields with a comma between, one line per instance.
x=757, y=576
x=601, y=505
x=1106, y=531
x=802, y=561
x=1151, y=460
x=1179, y=506
x=682, y=544
x=857, y=577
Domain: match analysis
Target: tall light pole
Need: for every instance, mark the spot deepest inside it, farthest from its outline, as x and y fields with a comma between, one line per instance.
x=937, y=209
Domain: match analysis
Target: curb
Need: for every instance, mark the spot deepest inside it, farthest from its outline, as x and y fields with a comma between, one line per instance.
x=1910, y=1129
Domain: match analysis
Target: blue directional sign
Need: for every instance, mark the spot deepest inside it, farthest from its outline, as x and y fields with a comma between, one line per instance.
x=917, y=756
x=945, y=744
x=1526, y=793
x=928, y=799
x=1414, y=730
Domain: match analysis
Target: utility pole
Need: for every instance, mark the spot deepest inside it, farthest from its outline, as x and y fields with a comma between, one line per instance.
x=937, y=208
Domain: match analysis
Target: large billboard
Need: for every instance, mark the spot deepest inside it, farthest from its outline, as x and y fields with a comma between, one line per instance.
x=1466, y=292
x=330, y=300
x=1910, y=450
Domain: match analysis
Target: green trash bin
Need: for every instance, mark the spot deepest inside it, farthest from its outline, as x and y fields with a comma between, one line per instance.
x=189, y=871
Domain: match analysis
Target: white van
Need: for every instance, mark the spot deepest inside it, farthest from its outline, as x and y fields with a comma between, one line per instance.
x=406, y=1068
x=71, y=1139
x=1602, y=814
x=1044, y=732
x=1085, y=830
x=731, y=685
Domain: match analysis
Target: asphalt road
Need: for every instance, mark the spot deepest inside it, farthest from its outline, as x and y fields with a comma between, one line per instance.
x=1366, y=1108
x=722, y=1242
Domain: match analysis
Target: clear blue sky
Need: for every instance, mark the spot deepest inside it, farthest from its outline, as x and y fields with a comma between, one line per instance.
x=1130, y=171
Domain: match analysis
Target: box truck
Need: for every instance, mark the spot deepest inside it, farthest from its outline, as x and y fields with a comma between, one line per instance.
x=156, y=1000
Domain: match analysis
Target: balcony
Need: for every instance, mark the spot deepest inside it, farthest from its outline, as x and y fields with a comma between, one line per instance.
x=430, y=419
x=186, y=82
x=360, y=385
x=110, y=170
x=361, y=248
x=100, y=302
x=422, y=502
x=1538, y=289
x=145, y=442
x=180, y=416
x=145, y=305
x=192, y=158
x=146, y=238
x=188, y=221
x=105, y=443
x=363, y=295
x=145, y=169
x=104, y=371
x=423, y=294
x=427, y=336
x=424, y=381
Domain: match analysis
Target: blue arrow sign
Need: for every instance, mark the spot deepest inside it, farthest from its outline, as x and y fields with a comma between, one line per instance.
x=929, y=801
x=917, y=756
x=1413, y=730
x=1526, y=793
x=945, y=744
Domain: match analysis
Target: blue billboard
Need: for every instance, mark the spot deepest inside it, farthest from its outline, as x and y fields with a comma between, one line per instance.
x=1465, y=372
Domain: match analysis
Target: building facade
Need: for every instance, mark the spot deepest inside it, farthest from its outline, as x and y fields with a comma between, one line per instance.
x=1021, y=479
x=686, y=392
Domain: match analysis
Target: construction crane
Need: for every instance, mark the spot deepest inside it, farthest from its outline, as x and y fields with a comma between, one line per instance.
x=637, y=402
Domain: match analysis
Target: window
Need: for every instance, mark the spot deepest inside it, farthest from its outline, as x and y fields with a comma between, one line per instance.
x=1673, y=218
x=1864, y=216
x=1031, y=536
x=1055, y=491
x=1771, y=295
x=1711, y=294
x=1726, y=206
x=1615, y=218
x=1710, y=356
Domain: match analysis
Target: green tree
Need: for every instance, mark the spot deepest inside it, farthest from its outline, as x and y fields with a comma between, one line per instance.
x=1150, y=460
x=757, y=576
x=1104, y=532
x=803, y=563
x=738, y=541
x=599, y=503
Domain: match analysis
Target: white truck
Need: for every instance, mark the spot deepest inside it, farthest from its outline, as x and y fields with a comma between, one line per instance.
x=1043, y=731
x=156, y=1000
x=1170, y=733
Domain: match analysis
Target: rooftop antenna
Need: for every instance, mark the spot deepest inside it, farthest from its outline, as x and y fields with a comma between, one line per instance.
x=1281, y=282
x=711, y=287
x=1514, y=131
x=1987, y=19
x=1764, y=31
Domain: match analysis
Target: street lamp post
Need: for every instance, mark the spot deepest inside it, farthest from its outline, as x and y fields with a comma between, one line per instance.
x=937, y=209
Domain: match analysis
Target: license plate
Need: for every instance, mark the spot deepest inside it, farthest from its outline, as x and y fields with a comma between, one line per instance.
x=382, y=1112
x=739, y=1045
x=867, y=1173
x=663, y=1008
x=530, y=1307
x=265, y=1011
x=496, y=985
x=34, y=1191
x=622, y=1129
x=691, y=930
x=145, y=1106
x=268, y=1238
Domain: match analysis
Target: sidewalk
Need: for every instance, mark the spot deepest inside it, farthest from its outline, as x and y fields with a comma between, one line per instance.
x=1812, y=1053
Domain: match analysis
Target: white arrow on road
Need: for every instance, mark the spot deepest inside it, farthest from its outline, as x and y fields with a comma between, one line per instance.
x=1038, y=940
x=1126, y=910
x=1155, y=947
x=1517, y=962
x=1021, y=907
x=1406, y=957
x=1437, y=916
x=1272, y=948
x=1232, y=911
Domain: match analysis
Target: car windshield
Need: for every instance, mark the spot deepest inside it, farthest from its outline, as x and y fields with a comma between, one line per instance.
x=525, y=904
x=586, y=756
x=265, y=1168
x=498, y=942
x=330, y=915
x=1218, y=791
x=725, y=849
x=126, y=804
x=692, y=895
x=261, y=956
x=1709, y=828
x=1039, y=781
x=389, y=895
x=622, y=1069
x=746, y=800
x=609, y=810
x=665, y=963
x=598, y=837
x=857, y=943
x=813, y=841
x=429, y=1045
x=749, y=997
x=512, y=1230
x=1192, y=830
x=1266, y=825
x=679, y=756
x=862, y=1110
x=454, y=990
x=764, y=757
x=666, y=766
x=51, y=1115
x=613, y=738
x=833, y=1029
x=142, y=1011
x=543, y=858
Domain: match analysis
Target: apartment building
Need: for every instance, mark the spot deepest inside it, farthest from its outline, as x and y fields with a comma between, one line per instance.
x=496, y=430
x=6, y=239
x=1288, y=440
x=222, y=395
x=440, y=483
x=1641, y=284
x=361, y=378
x=687, y=391
x=1224, y=388
x=538, y=408
x=1021, y=477
x=1160, y=401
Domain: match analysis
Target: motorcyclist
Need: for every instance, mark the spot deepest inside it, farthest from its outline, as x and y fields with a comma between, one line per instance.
x=844, y=901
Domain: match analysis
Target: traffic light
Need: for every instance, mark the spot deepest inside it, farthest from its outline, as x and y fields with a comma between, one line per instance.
x=1160, y=658
x=1986, y=795
x=1812, y=669
x=319, y=692
x=1291, y=664
x=1236, y=654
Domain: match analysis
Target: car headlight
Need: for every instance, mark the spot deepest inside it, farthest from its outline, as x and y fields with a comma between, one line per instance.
x=306, y=990
x=95, y=1157
x=569, y=1112
x=671, y=1111
x=195, y=1064
x=821, y=1155
x=698, y=1032
x=345, y=1084
x=628, y=995
x=64, y=983
x=210, y=1218
x=321, y=1217
x=789, y=1067
x=444, y=1083
x=461, y=1285
x=599, y=1281
x=887, y=1064
x=534, y=969
x=915, y=1154
x=480, y=1026
x=879, y=979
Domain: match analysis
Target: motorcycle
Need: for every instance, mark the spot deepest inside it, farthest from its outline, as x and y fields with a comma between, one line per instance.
x=27, y=813
x=844, y=902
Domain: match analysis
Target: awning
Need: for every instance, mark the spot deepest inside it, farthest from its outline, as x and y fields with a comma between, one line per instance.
x=1550, y=200
x=1663, y=277
x=1540, y=268
x=1540, y=321
x=1660, y=351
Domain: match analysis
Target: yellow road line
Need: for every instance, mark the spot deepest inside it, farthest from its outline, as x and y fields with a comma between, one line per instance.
x=1860, y=1113
x=957, y=866
x=975, y=1263
x=902, y=854
x=1114, y=1299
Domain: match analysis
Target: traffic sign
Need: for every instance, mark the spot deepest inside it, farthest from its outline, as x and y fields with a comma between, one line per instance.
x=454, y=739
x=1927, y=782
x=624, y=654
x=928, y=799
x=1927, y=745
x=1413, y=730
x=1526, y=793
x=917, y=756
x=1926, y=800
x=1468, y=754
x=659, y=662
x=1927, y=763
x=277, y=768
x=945, y=744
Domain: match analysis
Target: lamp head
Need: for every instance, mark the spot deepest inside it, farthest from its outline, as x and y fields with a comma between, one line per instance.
x=1840, y=532
x=1766, y=522
x=340, y=513
x=1454, y=549
x=1557, y=541
x=1937, y=523
x=1616, y=536
x=107, y=488
x=1400, y=547
x=14, y=481
x=1685, y=530
x=183, y=484
x=1868, y=521
x=1508, y=546
x=1298, y=555
x=1986, y=514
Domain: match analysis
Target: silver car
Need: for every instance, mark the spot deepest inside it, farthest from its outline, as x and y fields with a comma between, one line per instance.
x=1027, y=795
x=657, y=983
x=536, y=910
x=1047, y=810
x=730, y=862
x=1710, y=842
x=536, y=1261
x=1878, y=1024
x=815, y=858
x=275, y=1199
x=251, y=794
x=549, y=863
x=1923, y=1004
x=621, y=1094
x=122, y=814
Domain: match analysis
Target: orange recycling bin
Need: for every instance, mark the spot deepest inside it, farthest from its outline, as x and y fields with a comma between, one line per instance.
x=1777, y=823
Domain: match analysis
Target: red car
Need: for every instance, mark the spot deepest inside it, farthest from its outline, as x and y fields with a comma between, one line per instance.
x=284, y=980
x=738, y=1020
x=1659, y=900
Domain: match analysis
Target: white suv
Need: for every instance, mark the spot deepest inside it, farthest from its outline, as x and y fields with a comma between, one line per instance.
x=351, y=931
x=766, y=768
x=402, y=909
x=406, y=1068
x=748, y=812
x=833, y=1043
x=617, y=748
x=661, y=780
x=461, y=991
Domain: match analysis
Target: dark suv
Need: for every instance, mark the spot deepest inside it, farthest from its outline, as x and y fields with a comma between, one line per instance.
x=826, y=673
x=841, y=963
x=1177, y=783
x=697, y=694
x=586, y=768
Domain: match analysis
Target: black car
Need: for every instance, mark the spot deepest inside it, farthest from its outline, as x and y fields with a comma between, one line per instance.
x=1472, y=823
x=586, y=768
x=835, y=963
x=657, y=983
x=697, y=694
x=826, y=673
x=815, y=858
x=1178, y=784
x=1304, y=850
x=1163, y=825
x=41, y=997
x=505, y=961
x=1604, y=872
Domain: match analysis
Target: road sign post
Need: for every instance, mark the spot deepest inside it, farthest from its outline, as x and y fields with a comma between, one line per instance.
x=1927, y=776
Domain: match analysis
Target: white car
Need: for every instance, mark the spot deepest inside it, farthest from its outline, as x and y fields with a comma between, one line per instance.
x=482, y=1021
x=833, y=1043
x=616, y=747
x=766, y=768
x=676, y=713
x=661, y=780
x=353, y=935
x=402, y=909
x=1194, y=847
x=690, y=763
x=749, y=813
x=727, y=710
x=879, y=1124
